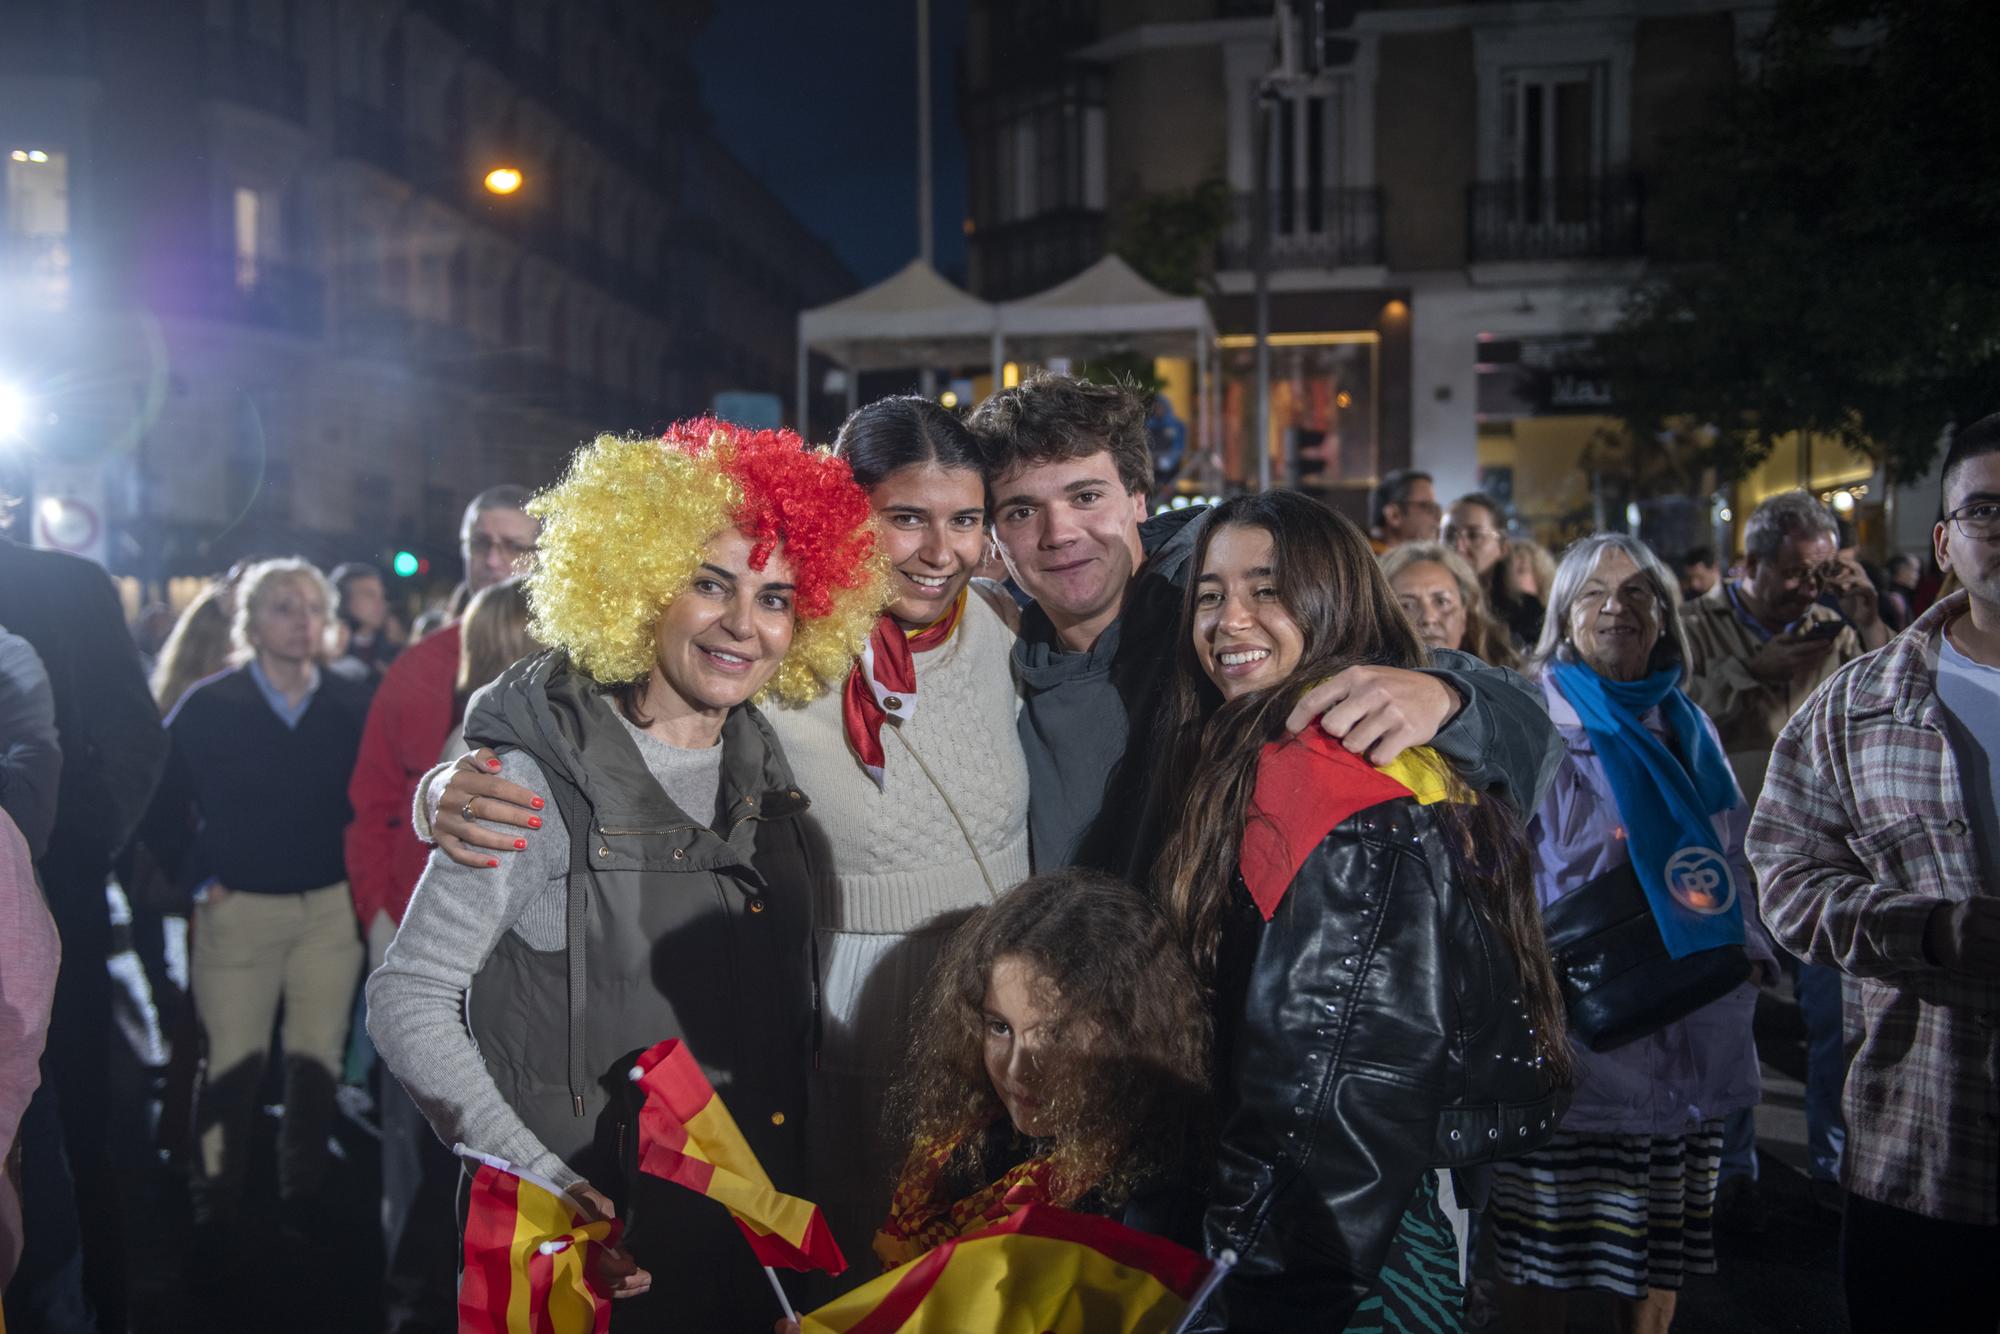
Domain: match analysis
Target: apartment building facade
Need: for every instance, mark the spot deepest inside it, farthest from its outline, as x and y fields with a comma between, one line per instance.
x=1454, y=207
x=258, y=294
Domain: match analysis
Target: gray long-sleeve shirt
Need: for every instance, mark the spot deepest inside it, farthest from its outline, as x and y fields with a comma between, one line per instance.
x=416, y=1000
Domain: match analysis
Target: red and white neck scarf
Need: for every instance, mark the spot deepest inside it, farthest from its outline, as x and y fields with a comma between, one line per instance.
x=884, y=681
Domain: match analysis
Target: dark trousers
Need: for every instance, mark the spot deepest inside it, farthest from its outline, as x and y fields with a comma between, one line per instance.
x=419, y=1227
x=78, y=1065
x=1903, y=1271
x=45, y=1295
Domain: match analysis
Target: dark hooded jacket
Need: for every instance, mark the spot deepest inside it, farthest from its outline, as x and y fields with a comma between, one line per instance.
x=675, y=930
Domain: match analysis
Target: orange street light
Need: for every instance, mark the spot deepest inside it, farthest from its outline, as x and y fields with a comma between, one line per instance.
x=503, y=180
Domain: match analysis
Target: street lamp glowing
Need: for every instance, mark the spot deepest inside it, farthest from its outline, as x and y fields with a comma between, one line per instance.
x=503, y=180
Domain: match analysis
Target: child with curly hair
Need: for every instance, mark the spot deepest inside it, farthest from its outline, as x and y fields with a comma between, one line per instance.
x=1059, y=1057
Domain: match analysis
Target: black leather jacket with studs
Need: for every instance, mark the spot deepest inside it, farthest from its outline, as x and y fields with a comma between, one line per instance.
x=1371, y=1030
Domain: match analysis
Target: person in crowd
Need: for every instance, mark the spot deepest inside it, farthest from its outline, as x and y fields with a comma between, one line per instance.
x=113, y=749
x=250, y=815
x=1619, y=1202
x=919, y=789
x=1530, y=568
x=1698, y=572
x=1899, y=593
x=373, y=637
x=1443, y=598
x=30, y=746
x=1058, y=1055
x=200, y=645
x=493, y=635
x=408, y=721
x=1476, y=529
x=1875, y=846
x=678, y=579
x=150, y=629
x=429, y=621
x=1403, y=507
x=29, y=955
x=1067, y=475
x=1758, y=647
x=1345, y=919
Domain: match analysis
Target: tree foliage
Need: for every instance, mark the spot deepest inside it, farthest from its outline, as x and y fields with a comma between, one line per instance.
x=1169, y=237
x=1836, y=244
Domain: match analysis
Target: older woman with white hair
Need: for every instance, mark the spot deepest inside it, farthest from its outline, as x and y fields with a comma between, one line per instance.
x=1643, y=811
x=249, y=817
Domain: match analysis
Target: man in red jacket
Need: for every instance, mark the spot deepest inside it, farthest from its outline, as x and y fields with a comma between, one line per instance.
x=408, y=722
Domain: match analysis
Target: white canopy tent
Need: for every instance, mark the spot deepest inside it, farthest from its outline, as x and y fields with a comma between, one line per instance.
x=917, y=318
x=912, y=318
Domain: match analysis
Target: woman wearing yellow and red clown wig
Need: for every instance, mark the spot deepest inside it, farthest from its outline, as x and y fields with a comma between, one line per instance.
x=677, y=580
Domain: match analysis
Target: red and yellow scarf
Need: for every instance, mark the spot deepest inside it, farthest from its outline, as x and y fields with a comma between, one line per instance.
x=918, y=1221
x=884, y=681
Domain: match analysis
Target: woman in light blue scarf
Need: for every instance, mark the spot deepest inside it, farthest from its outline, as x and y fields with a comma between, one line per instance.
x=1620, y=1202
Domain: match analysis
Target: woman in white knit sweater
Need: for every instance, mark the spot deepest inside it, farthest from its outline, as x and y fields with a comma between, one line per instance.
x=917, y=784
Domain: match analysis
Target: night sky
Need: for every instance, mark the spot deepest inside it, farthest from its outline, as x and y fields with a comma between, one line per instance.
x=819, y=99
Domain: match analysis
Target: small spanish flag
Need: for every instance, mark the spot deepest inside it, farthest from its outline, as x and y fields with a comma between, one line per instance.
x=688, y=1137
x=1041, y=1270
x=526, y=1250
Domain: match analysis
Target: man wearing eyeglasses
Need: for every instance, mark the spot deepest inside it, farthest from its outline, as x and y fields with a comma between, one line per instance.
x=1877, y=846
x=1757, y=649
x=408, y=721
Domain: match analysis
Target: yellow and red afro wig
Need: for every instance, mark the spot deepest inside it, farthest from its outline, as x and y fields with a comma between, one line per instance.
x=629, y=523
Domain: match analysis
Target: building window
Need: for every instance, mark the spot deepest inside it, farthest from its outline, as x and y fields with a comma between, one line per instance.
x=37, y=240
x=1552, y=135
x=249, y=213
x=1045, y=151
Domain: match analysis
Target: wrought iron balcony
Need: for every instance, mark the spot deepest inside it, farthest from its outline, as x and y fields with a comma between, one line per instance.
x=1594, y=217
x=1018, y=258
x=257, y=75
x=1325, y=229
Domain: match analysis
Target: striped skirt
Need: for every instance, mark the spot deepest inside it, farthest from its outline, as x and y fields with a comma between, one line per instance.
x=1617, y=1213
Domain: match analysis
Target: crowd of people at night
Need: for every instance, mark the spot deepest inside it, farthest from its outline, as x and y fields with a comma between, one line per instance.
x=1388, y=908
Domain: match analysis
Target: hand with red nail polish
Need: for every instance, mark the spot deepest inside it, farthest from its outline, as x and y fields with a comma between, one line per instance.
x=495, y=803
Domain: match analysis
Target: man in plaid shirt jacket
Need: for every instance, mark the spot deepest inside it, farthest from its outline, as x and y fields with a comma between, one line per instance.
x=1877, y=849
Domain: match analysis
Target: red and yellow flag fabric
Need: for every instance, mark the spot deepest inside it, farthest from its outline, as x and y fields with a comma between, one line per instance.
x=526, y=1251
x=688, y=1137
x=1308, y=784
x=1042, y=1271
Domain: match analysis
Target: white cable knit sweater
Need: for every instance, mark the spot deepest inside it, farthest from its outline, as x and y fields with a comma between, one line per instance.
x=899, y=874
x=896, y=856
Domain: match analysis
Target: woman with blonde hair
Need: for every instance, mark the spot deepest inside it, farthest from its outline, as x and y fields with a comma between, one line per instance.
x=199, y=646
x=1443, y=599
x=670, y=895
x=250, y=816
x=1531, y=568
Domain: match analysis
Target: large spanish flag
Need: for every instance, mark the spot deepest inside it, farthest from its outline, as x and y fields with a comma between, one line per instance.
x=1042, y=1271
x=688, y=1137
x=526, y=1250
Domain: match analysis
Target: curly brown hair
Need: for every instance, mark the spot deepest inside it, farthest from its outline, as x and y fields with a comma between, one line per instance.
x=1049, y=418
x=1124, y=1083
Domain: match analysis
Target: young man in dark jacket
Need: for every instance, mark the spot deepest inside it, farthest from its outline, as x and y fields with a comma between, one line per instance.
x=1067, y=479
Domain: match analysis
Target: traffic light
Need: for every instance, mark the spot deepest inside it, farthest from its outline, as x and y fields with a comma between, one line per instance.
x=406, y=564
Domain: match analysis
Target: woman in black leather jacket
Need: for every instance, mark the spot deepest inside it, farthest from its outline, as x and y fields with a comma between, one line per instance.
x=1383, y=1000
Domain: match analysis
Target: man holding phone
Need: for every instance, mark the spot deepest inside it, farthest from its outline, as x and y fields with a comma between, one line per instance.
x=1757, y=649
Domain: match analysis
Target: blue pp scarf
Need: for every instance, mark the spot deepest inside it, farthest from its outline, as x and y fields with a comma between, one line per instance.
x=1665, y=805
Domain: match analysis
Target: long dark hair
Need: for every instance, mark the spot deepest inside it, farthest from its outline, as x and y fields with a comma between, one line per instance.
x=1124, y=1083
x=893, y=433
x=1328, y=581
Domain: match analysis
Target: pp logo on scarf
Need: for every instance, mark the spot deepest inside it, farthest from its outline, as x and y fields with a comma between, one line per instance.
x=1700, y=881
